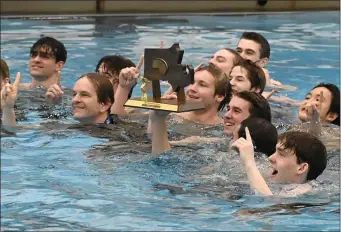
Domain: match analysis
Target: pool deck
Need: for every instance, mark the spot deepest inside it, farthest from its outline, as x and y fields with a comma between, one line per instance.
x=105, y=7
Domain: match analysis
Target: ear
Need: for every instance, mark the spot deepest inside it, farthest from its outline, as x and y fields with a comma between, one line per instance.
x=302, y=168
x=104, y=106
x=219, y=98
x=264, y=61
x=6, y=80
x=254, y=89
x=59, y=66
x=331, y=116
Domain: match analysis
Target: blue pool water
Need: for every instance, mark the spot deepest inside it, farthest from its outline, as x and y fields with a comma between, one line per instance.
x=47, y=182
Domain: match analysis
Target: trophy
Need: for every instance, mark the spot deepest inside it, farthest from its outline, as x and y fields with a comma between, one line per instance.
x=165, y=64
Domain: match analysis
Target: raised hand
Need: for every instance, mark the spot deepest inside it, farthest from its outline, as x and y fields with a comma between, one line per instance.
x=267, y=95
x=245, y=148
x=9, y=93
x=128, y=77
x=54, y=93
x=313, y=109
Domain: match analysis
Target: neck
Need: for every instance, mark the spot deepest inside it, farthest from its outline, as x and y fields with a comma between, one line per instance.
x=97, y=119
x=206, y=116
x=45, y=83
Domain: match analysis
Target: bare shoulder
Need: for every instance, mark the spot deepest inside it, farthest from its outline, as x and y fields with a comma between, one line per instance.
x=25, y=86
x=294, y=190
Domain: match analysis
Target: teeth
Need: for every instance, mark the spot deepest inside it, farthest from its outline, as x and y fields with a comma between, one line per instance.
x=229, y=124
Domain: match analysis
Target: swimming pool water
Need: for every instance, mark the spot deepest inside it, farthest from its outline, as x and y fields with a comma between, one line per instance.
x=48, y=183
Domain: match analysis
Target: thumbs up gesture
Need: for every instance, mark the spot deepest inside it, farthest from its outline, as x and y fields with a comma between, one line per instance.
x=9, y=93
x=245, y=148
x=54, y=93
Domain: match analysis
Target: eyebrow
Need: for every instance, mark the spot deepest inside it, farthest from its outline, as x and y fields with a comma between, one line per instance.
x=218, y=57
x=250, y=50
x=235, y=107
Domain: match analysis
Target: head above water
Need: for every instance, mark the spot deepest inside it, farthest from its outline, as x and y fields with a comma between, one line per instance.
x=247, y=77
x=330, y=108
x=111, y=67
x=226, y=59
x=264, y=134
x=254, y=47
x=299, y=157
x=92, y=98
x=244, y=105
x=4, y=73
x=210, y=86
x=48, y=57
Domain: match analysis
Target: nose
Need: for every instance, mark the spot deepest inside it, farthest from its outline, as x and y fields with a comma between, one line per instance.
x=228, y=114
x=211, y=61
x=192, y=88
x=272, y=158
x=75, y=98
x=232, y=82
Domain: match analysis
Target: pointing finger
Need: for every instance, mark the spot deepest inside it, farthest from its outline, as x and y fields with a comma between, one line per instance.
x=248, y=136
x=17, y=80
x=141, y=61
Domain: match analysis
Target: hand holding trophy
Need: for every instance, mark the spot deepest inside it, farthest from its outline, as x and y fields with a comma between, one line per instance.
x=165, y=64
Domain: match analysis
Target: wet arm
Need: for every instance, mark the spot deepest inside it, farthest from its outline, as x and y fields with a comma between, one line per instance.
x=256, y=179
x=121, y=97
x=159, y=133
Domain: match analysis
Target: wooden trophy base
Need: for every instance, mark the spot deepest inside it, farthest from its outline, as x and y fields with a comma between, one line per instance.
x=164, y=105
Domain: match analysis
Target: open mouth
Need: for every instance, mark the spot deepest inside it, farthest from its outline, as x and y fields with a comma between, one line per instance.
x=274, y=172
x=193, y=97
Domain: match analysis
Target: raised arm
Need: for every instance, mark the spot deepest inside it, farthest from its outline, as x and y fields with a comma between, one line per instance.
x=8, y=96
x=256, y=180
x=159, y=131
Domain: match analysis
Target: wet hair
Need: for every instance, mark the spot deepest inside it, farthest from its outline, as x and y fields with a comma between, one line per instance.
x=103, y=87
x=264, y=134
x=259, y=106
x=255, y=74
x=114, y=64
x=335, y=103
x=221, y=84
x=4, y=70
x=51, y=45
x=237, y=59
x=308, y=149
x=258, y=38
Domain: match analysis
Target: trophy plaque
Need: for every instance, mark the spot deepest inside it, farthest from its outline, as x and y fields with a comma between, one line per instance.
x=165, y=64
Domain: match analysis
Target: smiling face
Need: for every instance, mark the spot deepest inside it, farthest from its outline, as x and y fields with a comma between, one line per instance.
x=85, y=105
x=223, y=59
x=203, y=89
x=284, y=166
x=238, y=110
x=43, y=65
x=314, y=98
x=238, y=80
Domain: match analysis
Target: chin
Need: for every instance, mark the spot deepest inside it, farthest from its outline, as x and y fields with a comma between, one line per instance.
x=38, y=76
x=302, y=116
x=228, y=131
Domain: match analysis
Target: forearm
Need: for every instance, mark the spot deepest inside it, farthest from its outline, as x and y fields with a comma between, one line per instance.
x=159, y=135
x=256, y=179
x=121, y=96
x=8, y=117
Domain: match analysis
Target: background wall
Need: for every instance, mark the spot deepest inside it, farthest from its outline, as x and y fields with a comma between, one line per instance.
x=10, y=7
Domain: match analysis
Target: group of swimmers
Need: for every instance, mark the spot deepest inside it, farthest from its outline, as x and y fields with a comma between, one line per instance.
x=233, y=81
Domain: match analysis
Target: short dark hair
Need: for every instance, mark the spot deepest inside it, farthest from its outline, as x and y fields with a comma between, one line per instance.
x=114, y=64
x=4, y=70
x=260, y=107
x=258, y=38
x=264, y=134
x=255, y=74
x=56, y=48
x=335, y=103
x=103, y=87
x=308, y=149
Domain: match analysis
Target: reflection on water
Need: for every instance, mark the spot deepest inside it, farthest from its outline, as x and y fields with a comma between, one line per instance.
x=59, y=175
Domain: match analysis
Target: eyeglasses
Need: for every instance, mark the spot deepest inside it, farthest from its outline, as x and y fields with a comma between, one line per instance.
x=44, y=55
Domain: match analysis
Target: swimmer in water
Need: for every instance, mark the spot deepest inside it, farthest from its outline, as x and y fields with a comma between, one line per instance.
x=299, y=158
x=92, y=99
x=241, y=106
x=48, y=57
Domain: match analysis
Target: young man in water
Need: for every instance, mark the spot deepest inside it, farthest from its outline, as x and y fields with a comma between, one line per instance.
x=48, y=57
x=299, y=158
x=246, y=76
x=242, y=106
x=92, y=98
